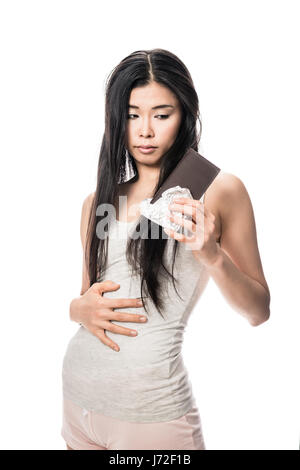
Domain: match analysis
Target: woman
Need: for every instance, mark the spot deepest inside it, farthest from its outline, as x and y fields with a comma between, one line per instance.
x=139, y=396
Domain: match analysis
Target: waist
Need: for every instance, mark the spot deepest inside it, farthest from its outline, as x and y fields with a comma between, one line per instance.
x=136, y=387
x=151, y=352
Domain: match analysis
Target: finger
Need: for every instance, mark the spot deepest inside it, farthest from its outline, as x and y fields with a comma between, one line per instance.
x=122, y=303
x=126, y=317
x=212, y=216
x=197, y=219
x=188, y=201
x=187, y=209
x=105, y=286
x=188, y=224
x=196, y=229
x=173, y=234
x=182, y=199
x=120, y=330
x=106, y=340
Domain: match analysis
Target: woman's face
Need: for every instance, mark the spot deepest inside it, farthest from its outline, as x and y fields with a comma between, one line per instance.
x=148, y=126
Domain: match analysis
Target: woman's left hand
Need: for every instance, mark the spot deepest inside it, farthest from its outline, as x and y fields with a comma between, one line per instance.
x=202, y=242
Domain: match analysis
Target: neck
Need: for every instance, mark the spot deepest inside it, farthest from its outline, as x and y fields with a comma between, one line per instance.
x=147, y=174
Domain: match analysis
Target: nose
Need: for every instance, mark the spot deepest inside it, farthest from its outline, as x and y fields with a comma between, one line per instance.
x=146, y=129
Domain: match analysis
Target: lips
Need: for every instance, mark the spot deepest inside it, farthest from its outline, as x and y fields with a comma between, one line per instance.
x=147, y=147
x=146, y=150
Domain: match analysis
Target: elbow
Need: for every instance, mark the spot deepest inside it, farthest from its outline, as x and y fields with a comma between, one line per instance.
x=262, y=318
x=264, y=314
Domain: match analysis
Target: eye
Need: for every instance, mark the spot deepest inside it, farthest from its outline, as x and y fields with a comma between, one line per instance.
x=163, y=116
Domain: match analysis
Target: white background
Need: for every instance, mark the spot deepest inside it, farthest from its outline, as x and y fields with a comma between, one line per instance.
x=244, y=60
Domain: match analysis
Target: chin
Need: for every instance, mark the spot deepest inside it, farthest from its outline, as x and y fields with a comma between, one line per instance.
x=149, y=160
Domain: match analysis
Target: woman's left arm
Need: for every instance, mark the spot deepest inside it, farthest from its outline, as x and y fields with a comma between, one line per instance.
x=235, y=264
x=238, y=269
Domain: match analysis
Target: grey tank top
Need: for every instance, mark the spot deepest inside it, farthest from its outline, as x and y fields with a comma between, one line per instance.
x=146, y=381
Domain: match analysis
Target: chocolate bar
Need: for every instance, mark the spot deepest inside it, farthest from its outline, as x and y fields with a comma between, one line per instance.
x=194, y=172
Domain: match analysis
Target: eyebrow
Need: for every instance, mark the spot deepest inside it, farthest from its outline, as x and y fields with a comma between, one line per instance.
x=155, y=107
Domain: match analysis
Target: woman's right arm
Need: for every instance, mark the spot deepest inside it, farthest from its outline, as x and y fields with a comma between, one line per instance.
x=85, y=284
x=91, y=309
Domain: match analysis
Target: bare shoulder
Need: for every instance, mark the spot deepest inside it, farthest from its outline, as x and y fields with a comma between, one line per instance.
x=88, y=200
x=226, y=189
x=226, y=184
x=85, y=213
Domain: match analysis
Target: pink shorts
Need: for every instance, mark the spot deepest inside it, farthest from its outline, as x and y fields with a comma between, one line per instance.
x=90, y=430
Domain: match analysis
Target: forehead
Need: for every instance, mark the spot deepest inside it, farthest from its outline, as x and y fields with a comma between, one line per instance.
x=152, y=95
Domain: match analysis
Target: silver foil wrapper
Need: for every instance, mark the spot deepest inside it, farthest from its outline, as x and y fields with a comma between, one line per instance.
x=158, y=211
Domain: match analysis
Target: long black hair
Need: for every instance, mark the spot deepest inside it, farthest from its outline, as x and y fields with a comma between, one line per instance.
x=144, y=254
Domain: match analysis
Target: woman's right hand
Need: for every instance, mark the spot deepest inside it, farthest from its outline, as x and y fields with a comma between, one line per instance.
x=95, y=312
